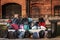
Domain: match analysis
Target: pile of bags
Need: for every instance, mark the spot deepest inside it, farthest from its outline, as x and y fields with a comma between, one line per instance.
x=26, y=25
x=26, y=34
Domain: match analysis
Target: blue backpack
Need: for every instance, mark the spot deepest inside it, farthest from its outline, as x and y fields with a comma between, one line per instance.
x=15, y=20
x=30, y=19
x=26, y=27
x=35, y=35
x=21, y=34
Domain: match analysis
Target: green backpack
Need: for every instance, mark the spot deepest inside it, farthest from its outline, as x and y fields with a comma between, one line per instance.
x=26, y=27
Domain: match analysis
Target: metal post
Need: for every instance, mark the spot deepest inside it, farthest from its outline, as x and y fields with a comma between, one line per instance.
x=51, y=7
x=28, y=7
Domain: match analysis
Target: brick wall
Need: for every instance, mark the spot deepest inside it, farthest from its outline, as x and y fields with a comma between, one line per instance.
x=46, y=6
x=21, y=2
x=0, y=9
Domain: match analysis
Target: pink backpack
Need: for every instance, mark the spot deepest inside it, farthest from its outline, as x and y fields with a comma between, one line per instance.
x=21, y=26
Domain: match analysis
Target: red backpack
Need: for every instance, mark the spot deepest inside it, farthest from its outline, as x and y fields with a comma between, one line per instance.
x=9, y=21
x=42, y=24
x=15, y=26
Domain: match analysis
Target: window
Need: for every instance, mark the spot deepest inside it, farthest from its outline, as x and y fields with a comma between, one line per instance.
x=35, y=11
x=9, y=9
x=57, y=10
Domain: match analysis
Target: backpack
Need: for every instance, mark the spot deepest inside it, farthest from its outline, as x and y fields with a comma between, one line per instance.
x=11, y=35
x=34, y=27
x=9, y=21
x=35, y=35
x=49, y=34
x=25, y=19
x=15, y=21
x=25, y=23
x=21, y=26
x=30, y=19
x=27, y=34
x=16, y=33
x=42, y=24
x=21, y=34
x=20, y=21
x=15, y=26
x=41, y=34
x=9, y=26
x=3, y=34
x=26, y=27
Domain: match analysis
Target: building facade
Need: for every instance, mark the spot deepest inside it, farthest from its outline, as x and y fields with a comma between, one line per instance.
x=32, y=8
x=9, y=7
x=45, y=7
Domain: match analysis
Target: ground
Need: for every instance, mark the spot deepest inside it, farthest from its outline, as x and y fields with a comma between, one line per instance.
x=32, y=39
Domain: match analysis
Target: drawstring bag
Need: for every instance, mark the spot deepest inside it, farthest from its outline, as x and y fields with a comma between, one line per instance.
x=21, y=26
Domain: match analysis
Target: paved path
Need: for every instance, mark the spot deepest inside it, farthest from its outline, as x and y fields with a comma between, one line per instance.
x=32, y=39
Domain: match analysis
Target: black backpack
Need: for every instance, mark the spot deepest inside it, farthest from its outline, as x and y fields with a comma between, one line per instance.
x=41, y=34
x=16, y=33
x=49, y=34
x=27, y=34
x=3, y=34
x=20, y=21
x=25, y=20
x=11, y=35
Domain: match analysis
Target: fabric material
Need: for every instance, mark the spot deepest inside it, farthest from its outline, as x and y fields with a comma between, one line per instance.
x=24, y=20
x=15, y=21
x=15, y=26
x=21, y=34
x=43, y=28
x=35, y=35
x=34, y=27
x=7, y=24
x=27, y=34
x=26, y=27
x=20, y=21
x=30, y=19
x=49, y=33
x=41, y=34
x=11, y=35
x=26, y=23
x=42, y=24
x=21, y=26
x=9, y=21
